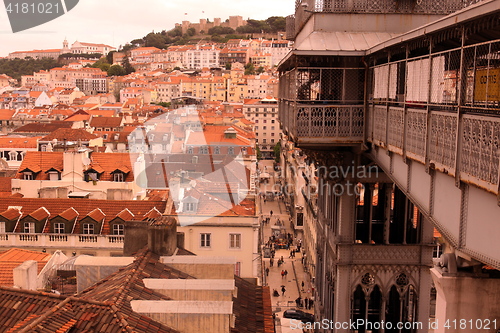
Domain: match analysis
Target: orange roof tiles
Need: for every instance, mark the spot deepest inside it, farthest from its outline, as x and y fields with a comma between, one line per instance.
x=69, y=134
x=110, y=208
x=15, y=257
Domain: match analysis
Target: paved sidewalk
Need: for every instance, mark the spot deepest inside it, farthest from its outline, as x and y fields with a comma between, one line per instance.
x=296, y=274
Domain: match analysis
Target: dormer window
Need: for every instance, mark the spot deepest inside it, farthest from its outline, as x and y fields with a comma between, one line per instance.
x=54, y=174
x=91, y=175
x=190, y=150
x=190, y=207
x=88, y=229
x=203, y=150
x=118, y=177
x=28, y=175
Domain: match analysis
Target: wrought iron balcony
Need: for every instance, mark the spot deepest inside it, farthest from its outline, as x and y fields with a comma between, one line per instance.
x=322, y=106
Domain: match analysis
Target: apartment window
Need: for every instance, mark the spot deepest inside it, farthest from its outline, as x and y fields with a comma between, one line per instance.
x=256, y=128
x=230, y=150
x=217, y=150
x=264, y=128
x=190, y=150
x=205, y=240
x=265, y=121
x=2, y=227
x=29, y=227
x=257, y=121
x=59, y=228
x=272, y=121
x=272, y=140
x=118, y=229
x=88, y=229
x=235, y=241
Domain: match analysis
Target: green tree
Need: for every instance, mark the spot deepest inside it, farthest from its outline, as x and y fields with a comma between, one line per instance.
x=138, y=42
x=277, y=152
x=116, y=70
x=155, y=40
x=220, y=30
x=127, y=66
x=102, y=64
x=258, y=153
x=191, y=31
x=228, y=66
x=249, y=69
x=109, y=57
x=260, y=70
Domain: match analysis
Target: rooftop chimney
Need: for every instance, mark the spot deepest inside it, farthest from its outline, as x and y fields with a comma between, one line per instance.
x=159, y=235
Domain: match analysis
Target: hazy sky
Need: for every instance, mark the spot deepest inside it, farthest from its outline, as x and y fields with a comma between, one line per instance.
x=115, y=22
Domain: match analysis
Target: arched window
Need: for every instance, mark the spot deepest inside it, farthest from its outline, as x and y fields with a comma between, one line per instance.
x=401, y=303
x=366, y=304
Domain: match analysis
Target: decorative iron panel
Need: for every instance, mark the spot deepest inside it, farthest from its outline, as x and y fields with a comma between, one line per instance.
x=416, y=131
x=480, y=143
x=383, y=6
x=330, y=121
x=396, y=127
x=442, y=138
x=380, y=123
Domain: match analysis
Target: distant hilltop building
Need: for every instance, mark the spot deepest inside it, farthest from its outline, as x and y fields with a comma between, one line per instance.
x=233, y=22
x=77, y=48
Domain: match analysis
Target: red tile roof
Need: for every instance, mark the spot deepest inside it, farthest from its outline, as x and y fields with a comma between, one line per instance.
x=69, y=134
x=15, y=257
x=56, y=207
x=100, y=122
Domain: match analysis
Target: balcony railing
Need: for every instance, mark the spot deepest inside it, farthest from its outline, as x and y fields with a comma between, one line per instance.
x=61, y=240
x=316, y=125
x=304, y=8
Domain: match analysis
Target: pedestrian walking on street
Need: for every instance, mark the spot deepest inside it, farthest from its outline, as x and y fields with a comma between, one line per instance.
x=282, y=274
x=271, y=262
x=298, y=301
x=283, y=290
x=306, y=300
x=286, y=273
x=303, y=285
x=271, y=213
x=267, y=271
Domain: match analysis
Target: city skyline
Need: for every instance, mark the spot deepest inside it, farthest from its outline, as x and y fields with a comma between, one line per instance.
x=91, y=21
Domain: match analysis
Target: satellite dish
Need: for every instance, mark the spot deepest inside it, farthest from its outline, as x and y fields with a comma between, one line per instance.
x=86, y=161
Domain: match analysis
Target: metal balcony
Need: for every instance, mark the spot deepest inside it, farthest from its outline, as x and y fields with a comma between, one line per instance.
x=322, y=107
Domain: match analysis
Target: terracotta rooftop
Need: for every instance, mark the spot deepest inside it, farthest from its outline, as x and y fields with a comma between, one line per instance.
x=69, y=134
x=126, y=284
x=100, y=122
x=41, y=128
x=15, y=257
x=105, y=163
x=252, y=308
x=38, y=312
x=57, y=207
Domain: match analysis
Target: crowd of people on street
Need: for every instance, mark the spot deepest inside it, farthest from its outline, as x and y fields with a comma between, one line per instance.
x=281, y=239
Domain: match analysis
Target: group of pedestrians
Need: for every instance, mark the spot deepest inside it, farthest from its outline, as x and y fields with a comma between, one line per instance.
x=306, y=303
